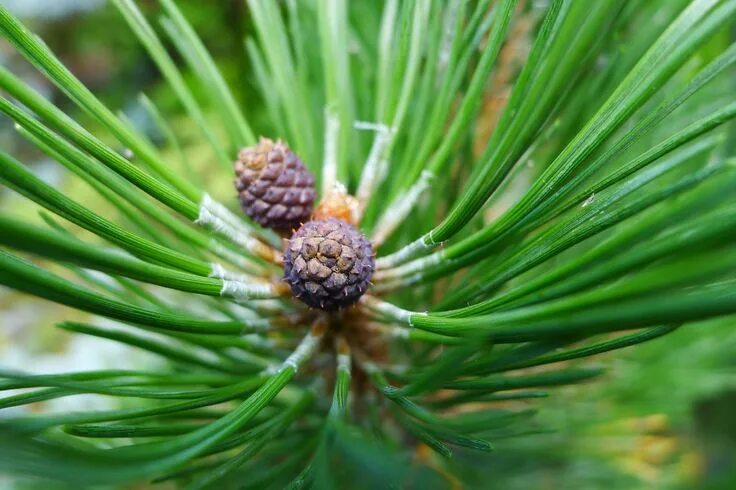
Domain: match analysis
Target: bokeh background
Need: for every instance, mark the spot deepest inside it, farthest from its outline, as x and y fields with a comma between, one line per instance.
x=663, y=416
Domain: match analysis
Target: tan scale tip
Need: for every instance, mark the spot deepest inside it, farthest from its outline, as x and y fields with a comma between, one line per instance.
x=342, y=347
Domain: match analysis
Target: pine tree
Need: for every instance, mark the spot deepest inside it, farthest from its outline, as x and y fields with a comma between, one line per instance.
x=539, y=183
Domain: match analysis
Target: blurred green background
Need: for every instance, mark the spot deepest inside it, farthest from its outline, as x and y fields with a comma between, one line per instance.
x=664, y=415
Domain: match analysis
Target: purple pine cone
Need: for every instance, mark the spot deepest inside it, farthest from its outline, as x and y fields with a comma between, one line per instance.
x=328, y=264
x=274, y=187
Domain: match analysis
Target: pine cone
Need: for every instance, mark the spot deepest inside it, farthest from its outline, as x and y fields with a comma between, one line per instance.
x=274, y=187
x=328, y=264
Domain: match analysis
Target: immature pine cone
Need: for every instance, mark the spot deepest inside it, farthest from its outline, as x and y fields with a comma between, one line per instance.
x=274, y=187
x=328, y=264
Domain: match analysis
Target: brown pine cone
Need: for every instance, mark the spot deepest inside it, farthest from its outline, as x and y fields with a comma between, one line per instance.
x=328, y=264
x=275, y=188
